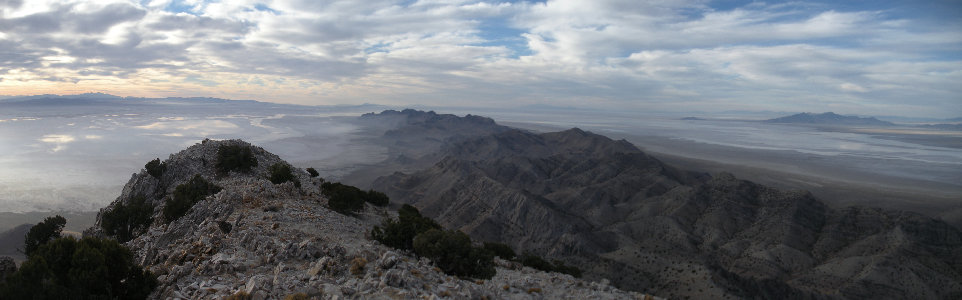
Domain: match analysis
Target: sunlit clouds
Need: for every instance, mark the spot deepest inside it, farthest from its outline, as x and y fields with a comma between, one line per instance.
x=869, y=58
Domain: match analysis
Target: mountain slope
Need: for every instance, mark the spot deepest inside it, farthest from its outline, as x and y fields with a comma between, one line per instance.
x=619, y=213
x=273, y=240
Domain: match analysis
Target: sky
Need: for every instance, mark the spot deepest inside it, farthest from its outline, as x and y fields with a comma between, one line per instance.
x=859, y=57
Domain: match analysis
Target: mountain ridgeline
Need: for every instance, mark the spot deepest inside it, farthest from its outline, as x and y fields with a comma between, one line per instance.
x=829, y=118
x=618, y=213
x=227, y=219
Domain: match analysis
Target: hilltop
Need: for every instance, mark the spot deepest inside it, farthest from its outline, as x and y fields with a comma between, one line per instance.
x=272, y=240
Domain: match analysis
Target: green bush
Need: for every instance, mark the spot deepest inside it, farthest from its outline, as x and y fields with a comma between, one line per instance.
x=348, y=199
x=125, y=221
x=400, y=233
x=235, y=158
x=376, y=198
x=534, y=261
x=91, y=268
x=313, y=172
x=281, y=173
x=186, y=195
x=155, y=168
x=500, y=250
x=560, y=267
x=42, y=233
x=452, y=252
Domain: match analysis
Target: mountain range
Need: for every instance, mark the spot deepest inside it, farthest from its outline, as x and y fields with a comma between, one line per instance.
x=622, y=214
x=829, y=118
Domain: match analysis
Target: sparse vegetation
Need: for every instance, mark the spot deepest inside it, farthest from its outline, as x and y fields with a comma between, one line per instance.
x=348, y=199
x=281, y=173
x=90, y=268
x=186, y=195
x=125, y=221
x=42, y=233
x=400, y=233
x=451, y=251
x=239, y=295
x=155, y=168
x=531, y=260
x=298, y=296
x=500, y=250
x=357, y=265
x=313, y=172
x=235, y=158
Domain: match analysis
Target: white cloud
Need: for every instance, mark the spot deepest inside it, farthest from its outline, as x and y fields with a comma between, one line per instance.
x=668, y=53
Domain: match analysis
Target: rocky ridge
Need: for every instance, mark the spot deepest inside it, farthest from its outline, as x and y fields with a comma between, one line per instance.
x=618, y=213
x=273, y=240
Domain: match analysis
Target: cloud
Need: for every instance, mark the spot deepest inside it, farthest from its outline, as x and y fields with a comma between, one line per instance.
x=619, y=54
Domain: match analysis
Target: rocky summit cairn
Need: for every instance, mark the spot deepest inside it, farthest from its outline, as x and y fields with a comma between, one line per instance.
x=253, y=238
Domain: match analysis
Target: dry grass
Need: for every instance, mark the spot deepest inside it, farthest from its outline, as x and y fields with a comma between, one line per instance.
x=357, y=265
x=239, y=295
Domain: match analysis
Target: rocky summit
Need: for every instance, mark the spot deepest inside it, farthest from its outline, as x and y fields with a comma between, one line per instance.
x=270, y=241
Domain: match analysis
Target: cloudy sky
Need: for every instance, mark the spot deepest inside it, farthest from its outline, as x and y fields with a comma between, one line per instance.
x=861, y=56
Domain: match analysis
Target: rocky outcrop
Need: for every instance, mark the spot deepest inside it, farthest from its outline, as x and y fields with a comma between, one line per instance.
x=618, y=213
x=273, y=240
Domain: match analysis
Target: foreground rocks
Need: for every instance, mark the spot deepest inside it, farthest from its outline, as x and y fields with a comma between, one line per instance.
x=274, y=240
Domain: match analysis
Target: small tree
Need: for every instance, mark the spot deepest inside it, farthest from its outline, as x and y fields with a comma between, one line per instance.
x=156, y=168
x=91, y=268
x=235, y=158
x=186, y=195
x=313, y=172
x=500, y=250
x=281, y=173
x=42, y=233
x=125, y=221
x=349, y=199
x=400, y=233
x=452, y=252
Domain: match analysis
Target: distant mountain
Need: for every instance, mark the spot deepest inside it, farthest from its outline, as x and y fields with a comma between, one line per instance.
x=11, y=241
x=621, y=214
x=952, y=127
x=829, y=118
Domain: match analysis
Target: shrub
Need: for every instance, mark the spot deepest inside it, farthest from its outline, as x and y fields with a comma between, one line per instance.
x=348, y=199
x=531, y=260
x=400, y=233
x=281, y=173
x=91, y=268
x=42, y=233
x=357, y=265
x=186, y=195
x=452, y=252
x=125, y=221
x=298, y=296
x=534, y=261
x=560, y=267
x=500, y=250
x=313, y=172
x=235, y=158
x=155, y=168
x=240, y=295
x=376, y=198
